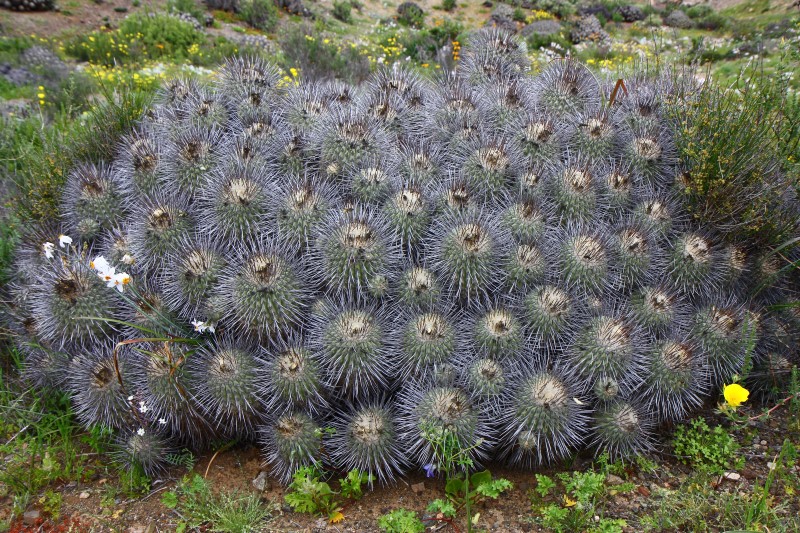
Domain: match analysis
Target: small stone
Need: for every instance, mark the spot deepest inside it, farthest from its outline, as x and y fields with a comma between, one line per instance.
x=749, y=473
x=83, y=495
x=260, y=482
x=418, y=487
x=611, y=479
x=30, y=517
x=763, y=443
x=644, y=491
x=732, y=476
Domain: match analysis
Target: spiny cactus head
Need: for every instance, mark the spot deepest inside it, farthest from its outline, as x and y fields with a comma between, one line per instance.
x=227, y=376
x=93, y=200
x=301, y=205
x=565, y=88
x=190, y=157
x=721, y=331
x=294, y=377
x=426, y=340
x=420, y=163
x=677, y=379
x=43, y=367
x=541, y=420
x=418, y=288
x=549, y=312
x=538, y=137
x=290, y=441
x=606, y=348
x=651, y=154
x=497, y=333
x=145, y=448
x=165, y=390
x=436, y=412
x=304, y=106
x=594, y=136
x=236, y=203
x=204, y=109
x=263, y=291
x=622, y=429
x=573, y=192
x=583, y=255
x=616, y=184
x=148, y=309
x=659, y=213
x=736, y=264
x=98, y=383
x=484, y=378
x=524, y=220
x=367, y=439
x=507, y=101
x=158, y=226
x=352, y=342
x=525, y=267
x=64, y=296
x=486, y=165
x=695, y=263
x=455, y=196
x=657, y=308
x=195, y=272
x=408, y=212
x=371, y=181
x=466, y=251
x=346, y=136
x=636, y=254
x=352, y=248
x=139, y=162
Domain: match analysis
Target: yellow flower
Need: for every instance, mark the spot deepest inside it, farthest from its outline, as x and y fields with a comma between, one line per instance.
x=336, y=517
x=735, y=394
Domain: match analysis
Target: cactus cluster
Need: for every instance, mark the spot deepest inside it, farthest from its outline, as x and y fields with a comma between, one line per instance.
x=495, y=254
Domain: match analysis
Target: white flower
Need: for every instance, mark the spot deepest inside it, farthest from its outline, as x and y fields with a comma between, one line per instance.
x=162, y=421
x=143, y=408
x=100, y=264
x=48, y=248
x=140, y=432
x=202, y=327
x=130, y=398
x=118, y=280
x=127, y=259
x=64, y=240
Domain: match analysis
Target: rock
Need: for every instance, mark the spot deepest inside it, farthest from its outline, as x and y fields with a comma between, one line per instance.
x=749, y=473
x=678, y=19
x=260, y=482
x=588, y=29
x=410, y=13
x=487, y=3
x=763, y=443
x=294, y=7
x=631, y=13
x=83, y=495
x=732, y=476
x=541, y=27
x=418, y=488
x=503, y=17
x=611, y=479
x=30, y=517
x=644, y=491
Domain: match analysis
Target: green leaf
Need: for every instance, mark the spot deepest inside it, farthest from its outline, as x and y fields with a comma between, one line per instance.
x=455, y=488
x=169, y=500
x=445, y=507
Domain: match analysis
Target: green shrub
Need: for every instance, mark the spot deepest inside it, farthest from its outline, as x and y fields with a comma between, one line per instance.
x=343, y=11
x=423, y=45
x=699, y=11
x=737, y=147
x=707, y=449
x=318, y=59
x=518, y=15
x=410, y=14
x=187, y=6
x=712, y=22
x=448, y=5
x=401, y=521
x=260, y=14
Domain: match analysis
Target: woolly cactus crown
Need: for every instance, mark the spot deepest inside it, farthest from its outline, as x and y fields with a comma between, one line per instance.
x=494, y=255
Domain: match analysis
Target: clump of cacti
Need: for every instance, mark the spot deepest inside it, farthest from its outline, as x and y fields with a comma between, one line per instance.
x=345, y=274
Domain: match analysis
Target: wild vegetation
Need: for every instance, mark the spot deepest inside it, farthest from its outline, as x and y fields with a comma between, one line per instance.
x=158, y=121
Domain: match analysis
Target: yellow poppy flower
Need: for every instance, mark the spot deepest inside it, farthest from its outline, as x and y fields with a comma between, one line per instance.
x=735, y=394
